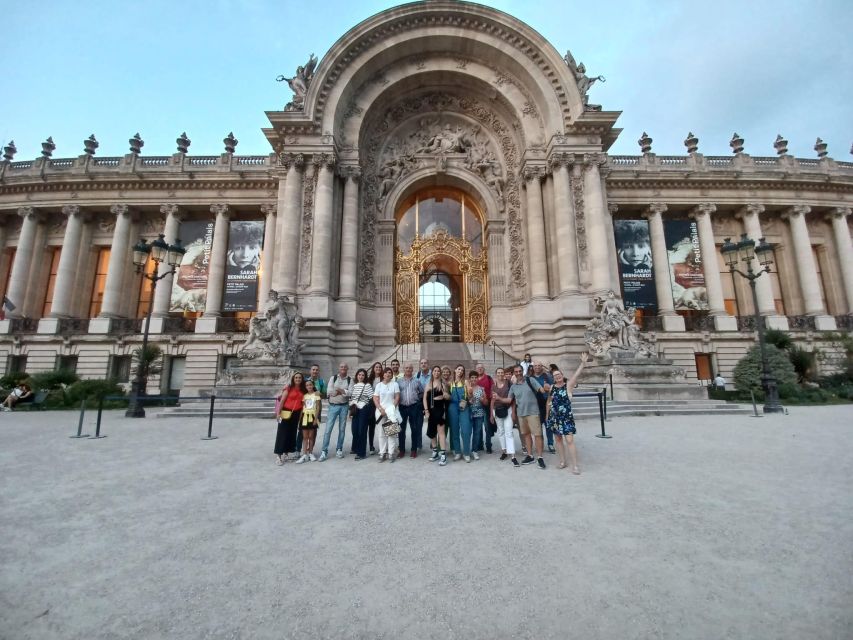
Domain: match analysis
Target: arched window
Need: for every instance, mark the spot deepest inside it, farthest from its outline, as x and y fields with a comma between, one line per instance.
x=430, y=210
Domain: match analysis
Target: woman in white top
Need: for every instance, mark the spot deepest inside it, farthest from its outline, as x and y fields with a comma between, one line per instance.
x=361, y=397
x=386, y=398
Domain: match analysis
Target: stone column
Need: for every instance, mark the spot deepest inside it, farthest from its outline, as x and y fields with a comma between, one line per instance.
x=845, y=253
x=711, y=268
x=321, y=246
x=763, y=287
x=567, y=244
x=18, y=279
x=806, y=268
x=163, y=294
x=67, y=270
x=218, y=254
x=660, y=263
x=119, y=259
x=599, y=249
x=349, y=234
x=612, y=208
x=536, y=232
x=265, y=277
x=291, y=227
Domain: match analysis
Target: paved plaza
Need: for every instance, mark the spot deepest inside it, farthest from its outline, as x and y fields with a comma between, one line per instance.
x=679, y=527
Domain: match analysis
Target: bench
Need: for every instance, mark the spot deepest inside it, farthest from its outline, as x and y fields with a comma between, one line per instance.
x=36, y=405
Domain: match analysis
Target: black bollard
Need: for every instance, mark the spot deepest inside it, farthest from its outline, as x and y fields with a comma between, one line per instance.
x=98, y=421
x=210, y=435
x=601, y=416
x=80, y=433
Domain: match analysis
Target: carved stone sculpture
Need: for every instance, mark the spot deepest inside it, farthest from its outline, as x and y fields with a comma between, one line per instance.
x=613, y=331
x=274, y=336
x=299, y=84
x=584, y=81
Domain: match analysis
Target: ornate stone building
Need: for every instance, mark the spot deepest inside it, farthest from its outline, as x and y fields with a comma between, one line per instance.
x=436, y=147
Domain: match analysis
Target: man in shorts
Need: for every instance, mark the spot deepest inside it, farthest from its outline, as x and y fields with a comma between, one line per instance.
x=523, y=391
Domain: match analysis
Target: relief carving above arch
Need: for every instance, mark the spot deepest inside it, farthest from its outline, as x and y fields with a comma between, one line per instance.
x=438, y=129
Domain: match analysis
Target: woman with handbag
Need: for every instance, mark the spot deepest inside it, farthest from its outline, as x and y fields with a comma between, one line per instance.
x=501, y=403
x=459, y=415
x=479, y=405
x=559, y=417
x=374, y=377
x=436, y=396
x=361, y=409
x=386, y=398
x=288, y=411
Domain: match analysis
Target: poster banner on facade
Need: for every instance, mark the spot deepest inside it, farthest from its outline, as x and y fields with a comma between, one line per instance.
x=189, y=286
x=634, y=252
x=685, y=265
x=245, y=240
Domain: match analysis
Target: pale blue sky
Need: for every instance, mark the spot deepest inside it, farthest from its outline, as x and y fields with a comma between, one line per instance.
x=207, y=67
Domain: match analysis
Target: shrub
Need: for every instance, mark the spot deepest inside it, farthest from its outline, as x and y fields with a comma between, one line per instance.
x=92, y=390
x=12, y=380
x=747, y=373
x=803, y=361
x=778, y=339
x=51, y=380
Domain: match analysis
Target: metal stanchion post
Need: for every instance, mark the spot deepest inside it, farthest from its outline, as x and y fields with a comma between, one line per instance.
x=604, y=395
x=611, y=386
x=98, y=422
x=80, y=433
x=755, y=413
x=601, y=416
x=210, y=435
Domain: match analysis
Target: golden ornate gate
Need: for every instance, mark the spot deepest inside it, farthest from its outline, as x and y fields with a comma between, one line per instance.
x=474, y=272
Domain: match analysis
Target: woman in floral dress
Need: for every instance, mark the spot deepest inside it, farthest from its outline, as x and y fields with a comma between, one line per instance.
x=559, y=417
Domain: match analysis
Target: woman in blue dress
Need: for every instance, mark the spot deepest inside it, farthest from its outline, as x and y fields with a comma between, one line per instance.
x=559, y=417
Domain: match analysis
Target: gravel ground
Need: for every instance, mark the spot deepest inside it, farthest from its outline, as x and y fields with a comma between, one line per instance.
x=679, y=527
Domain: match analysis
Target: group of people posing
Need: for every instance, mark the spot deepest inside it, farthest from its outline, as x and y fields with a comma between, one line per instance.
x=463, y=412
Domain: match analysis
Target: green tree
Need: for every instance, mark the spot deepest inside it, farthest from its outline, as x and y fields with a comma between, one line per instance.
x=747, y=373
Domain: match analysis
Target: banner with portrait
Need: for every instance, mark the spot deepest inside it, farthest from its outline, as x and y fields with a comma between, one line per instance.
x=242, y=262
x=685, y=265
x=189, y=285
x=634, y=253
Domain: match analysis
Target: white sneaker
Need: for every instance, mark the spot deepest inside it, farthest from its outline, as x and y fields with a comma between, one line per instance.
x=476, y=455
x=467, y=458
x=457, y=457
x=302, y=459
x=312, y=457
x=323, y=456
x=339, y=454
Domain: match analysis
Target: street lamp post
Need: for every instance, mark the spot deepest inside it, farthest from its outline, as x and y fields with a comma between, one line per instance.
x=744, y=251
x=159, y=251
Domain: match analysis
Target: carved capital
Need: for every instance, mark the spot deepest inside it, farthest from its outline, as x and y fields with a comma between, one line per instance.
x=324, y=160
x=220, y=209
x=172, y=210
x=289, y=160
x=594, y=160
x=612, y=207
x=751, y=209
x=839, y=212
x=796, y=211
x=558, y=160
x=29, y=213
x=532, y=172
x=350, y=171
x=702, y=209
x=269, y=209
x=120, y=210
x=655, y=209
x=71, y=210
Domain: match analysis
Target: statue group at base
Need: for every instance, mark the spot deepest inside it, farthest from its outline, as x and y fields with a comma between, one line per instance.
x=628, y=360
x=271, y=354
x=274, y=334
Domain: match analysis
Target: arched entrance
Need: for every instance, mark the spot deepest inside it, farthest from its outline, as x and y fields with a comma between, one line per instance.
x=440, y=268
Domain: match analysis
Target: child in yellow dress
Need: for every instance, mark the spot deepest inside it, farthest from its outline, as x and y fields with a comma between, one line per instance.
x=311, y=405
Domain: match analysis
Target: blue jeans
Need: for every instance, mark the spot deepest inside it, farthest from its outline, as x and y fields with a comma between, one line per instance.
x=460, y=429
x=477, y=437
x=336, y=413
x=413, y=415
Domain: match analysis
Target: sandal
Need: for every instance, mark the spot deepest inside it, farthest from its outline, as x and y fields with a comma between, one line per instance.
x=576, y=471
x=279, y=461
x=562, y=465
